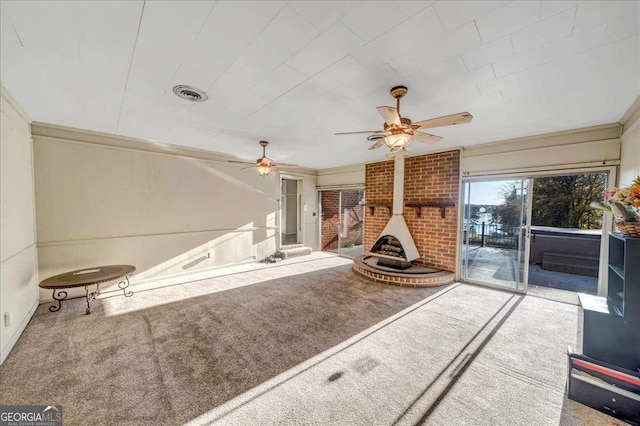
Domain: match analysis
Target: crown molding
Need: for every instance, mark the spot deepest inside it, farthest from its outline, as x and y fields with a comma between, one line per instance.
x=46, y=131
x=342, y=169
x=631, y=118
x=565, y=137
x=418, y=154
x=11, y=101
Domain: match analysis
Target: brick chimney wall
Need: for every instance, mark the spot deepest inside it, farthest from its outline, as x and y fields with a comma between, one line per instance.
x=429, y=177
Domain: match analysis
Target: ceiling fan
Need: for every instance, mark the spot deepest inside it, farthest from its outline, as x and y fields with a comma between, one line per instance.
x=263, y=164
x=400, y=131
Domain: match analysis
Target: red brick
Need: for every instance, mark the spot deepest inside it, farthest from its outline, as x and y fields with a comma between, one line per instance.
x=430, y=177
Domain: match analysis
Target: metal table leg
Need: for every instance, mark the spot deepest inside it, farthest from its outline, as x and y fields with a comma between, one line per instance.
x=90, y=296
x=58, y=299
x=123, y=285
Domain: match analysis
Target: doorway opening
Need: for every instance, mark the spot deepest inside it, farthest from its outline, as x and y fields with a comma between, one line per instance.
x=537, y=231
x=290, y=211
x=566, y=232
x=342, y=221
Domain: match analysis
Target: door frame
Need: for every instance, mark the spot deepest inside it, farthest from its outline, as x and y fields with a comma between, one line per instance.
x=607, y=220
x=299, y=209
x=523, y=240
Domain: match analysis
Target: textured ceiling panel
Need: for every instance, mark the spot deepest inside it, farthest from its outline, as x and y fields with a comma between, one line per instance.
x=296, y=72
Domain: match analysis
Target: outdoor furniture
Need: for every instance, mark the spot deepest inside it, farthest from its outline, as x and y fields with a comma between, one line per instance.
x=85, y=278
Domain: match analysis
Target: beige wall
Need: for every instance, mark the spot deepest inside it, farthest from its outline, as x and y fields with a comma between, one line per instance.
x=594, y=146
x=630, y=150
x=337, y=176
x=101, y=199
x=18, y=272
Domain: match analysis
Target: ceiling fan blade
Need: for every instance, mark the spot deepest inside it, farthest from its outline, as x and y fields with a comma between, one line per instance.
x=250, y=167
x=390, y=115
x=283, y=165
x=242, y=162
x=447, y=120
x=364, y=131
x=426, y=138
x=378, y=144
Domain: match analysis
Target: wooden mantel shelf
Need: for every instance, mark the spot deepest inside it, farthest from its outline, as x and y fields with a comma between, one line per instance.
x=372, y=207
x=442, y=205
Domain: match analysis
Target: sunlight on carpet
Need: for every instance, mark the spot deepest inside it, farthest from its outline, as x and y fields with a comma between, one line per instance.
x=176, y=289
x=466, y=355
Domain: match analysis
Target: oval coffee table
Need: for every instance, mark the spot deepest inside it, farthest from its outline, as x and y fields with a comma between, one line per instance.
x=85, y=278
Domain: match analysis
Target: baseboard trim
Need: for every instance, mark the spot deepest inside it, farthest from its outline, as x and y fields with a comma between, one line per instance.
x=18, y=333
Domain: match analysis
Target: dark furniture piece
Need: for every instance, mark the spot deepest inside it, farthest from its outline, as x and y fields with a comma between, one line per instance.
x=604, y=387
x=85, y=278
x=608, y=336
x=606, y=376
x=624, y=276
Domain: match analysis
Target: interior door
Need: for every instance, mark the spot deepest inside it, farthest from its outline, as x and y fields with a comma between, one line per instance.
x=495, y=232
x=289, y=212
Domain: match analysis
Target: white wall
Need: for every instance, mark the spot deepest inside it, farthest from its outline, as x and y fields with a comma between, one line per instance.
x=630, y=150
x=18, y=272
x=102, y=199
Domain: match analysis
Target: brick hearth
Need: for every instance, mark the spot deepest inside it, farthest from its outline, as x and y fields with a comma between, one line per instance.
x=402, y=279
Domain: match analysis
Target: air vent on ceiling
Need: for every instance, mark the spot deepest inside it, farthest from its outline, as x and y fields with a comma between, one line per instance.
x=373, y=138
x=190, y=93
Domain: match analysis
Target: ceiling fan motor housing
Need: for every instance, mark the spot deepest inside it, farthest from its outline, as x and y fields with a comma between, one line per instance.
x=398, y=91
x=405, y=122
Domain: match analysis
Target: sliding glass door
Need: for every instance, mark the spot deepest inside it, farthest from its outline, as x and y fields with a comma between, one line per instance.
x=495, y=232
x=342, y=221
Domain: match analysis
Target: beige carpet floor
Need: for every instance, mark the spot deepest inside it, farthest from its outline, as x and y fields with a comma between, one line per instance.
x=302, y=342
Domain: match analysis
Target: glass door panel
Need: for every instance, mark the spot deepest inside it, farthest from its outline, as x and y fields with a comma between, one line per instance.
x=342, y=221
x=351, y=242
x=495, y=232
x=329, y=220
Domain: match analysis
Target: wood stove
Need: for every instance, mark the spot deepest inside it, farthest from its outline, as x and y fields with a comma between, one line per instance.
x=395, y=247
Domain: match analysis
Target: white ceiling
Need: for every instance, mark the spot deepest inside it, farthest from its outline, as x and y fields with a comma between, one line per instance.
x=296, y=72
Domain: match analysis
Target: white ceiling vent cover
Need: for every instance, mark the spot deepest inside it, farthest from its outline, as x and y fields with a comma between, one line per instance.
x=190, y=93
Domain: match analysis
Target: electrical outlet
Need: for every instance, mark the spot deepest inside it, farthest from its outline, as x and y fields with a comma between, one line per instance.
x=7, y=319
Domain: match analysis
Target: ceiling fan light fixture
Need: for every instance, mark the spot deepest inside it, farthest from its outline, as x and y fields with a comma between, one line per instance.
x=264, y=170
x=398, y=142
x=401, y=131
x=263, y=164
